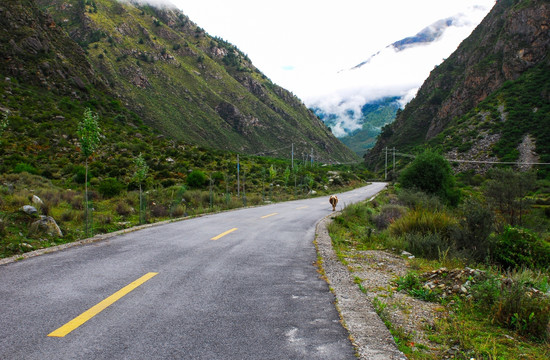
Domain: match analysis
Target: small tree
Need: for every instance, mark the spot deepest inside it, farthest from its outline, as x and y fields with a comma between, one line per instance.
x=3, y=124
x=139, y=175
x=89, y=136
x=286, y=176
x=506, y=192
x=431, y=172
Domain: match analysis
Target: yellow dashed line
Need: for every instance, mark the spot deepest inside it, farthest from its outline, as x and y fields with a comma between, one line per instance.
x=93, y=311
x=223, y=234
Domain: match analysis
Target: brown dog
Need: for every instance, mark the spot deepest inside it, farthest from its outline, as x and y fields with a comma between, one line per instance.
x=333, y=200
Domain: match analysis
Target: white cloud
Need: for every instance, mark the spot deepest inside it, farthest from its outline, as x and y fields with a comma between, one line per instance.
x=302, y=45
x=155, y=3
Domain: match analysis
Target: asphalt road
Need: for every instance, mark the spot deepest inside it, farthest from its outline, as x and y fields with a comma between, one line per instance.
x=253, y=293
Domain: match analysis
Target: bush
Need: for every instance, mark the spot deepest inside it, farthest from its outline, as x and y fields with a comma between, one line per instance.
x=431, y=173
x=159, y=211
x=520, y=309
x=471, y=237
x=419, y=200
x=516, y=248
x=388, y=214
x=110, y=187
x=514, y=304
x=123, y=208
x=424, y=222
x=428, y=246
x=506, y=192
x=24, y=167
x=196, y=179
x=80, y=174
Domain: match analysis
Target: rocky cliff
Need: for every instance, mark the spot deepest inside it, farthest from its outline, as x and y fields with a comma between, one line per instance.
x=510, y=42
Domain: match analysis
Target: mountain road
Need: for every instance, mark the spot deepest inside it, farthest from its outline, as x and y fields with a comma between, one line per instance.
x=239, y=284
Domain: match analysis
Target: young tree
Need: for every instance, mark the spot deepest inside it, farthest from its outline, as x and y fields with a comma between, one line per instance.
x=89, y=136
x=4, y=122
x=506, y=192
x=140, y=175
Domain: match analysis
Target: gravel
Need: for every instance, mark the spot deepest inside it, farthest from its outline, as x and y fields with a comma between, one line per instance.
x=368, y=333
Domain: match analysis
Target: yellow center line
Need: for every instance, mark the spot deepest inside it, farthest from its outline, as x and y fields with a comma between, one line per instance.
x=266, y=216
x=223, y=234
x=96, y=309
x=302, y=207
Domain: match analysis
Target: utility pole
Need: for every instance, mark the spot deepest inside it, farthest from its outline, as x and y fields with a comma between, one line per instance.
x=238, y=177
x=386, y=165
x=393, y=168
x=292, y=156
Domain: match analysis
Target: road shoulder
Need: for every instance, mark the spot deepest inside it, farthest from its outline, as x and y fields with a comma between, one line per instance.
x=370, y=336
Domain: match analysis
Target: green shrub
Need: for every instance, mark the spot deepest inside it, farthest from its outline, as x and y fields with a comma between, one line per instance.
x=122, y=208
x=24, y=167
x=424, y=222
x=431, y=173
x=110, y=187
x=80, y=174
x=388, y=214
x=428, y=246
x=408, y=282
x=419, y=200
x=196, y=179
x=516, y=248
x=486, y=293
x=523, y=310
x=471, y=236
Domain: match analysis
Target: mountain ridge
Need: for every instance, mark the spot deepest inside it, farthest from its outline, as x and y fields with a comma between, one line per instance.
x=509, y=43
x=186, y=84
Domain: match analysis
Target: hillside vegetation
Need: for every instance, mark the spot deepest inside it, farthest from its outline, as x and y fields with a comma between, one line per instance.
x=167, y=99
x=475, y=281
x=188, y=85
x=488, y=98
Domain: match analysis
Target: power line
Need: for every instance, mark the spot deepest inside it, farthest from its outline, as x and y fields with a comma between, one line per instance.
x=498, y=162
x=481, y=161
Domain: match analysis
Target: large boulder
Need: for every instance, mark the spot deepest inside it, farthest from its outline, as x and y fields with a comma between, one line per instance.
x=47, y=225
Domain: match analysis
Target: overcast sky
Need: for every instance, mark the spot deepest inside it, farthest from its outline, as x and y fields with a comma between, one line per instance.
x=301, y=44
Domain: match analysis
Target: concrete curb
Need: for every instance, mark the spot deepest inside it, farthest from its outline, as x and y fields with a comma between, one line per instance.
x=368, y=333
x=91, y=240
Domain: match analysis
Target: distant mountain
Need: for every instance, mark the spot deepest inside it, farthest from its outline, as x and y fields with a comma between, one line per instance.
x=424, y=37
x=395, y=73
x=160, y=67
x=490, y=100
x=374, y=115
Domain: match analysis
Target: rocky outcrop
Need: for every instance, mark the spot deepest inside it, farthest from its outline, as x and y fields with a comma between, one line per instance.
x=238, y=121
x=45, y=225
x=35, y=50
x=511, y=40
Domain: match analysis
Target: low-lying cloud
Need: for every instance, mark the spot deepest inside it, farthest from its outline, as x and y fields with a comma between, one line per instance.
x=397, y=70
x=155, y=3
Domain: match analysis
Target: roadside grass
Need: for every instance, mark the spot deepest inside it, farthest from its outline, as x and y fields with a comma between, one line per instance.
x=504, y=315
x=112, y=213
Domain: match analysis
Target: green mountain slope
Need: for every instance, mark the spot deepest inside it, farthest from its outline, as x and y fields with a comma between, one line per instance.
x=189, y=85
x=488, y=97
